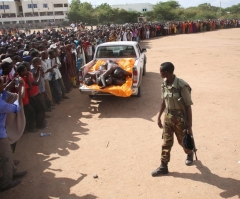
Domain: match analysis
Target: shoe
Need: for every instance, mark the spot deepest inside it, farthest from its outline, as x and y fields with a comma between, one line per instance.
x=189, y=159
x=20, y=174
x=12, y=184
x=163, y=169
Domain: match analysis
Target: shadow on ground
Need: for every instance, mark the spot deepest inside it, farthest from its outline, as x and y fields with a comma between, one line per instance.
x=229, y=186
x=37, y=155
x=145, y=107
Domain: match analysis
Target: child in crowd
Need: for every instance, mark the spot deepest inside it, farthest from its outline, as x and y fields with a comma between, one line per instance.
x=30, y=114
x=56, y=82
x=47, y=72
x=34, y=95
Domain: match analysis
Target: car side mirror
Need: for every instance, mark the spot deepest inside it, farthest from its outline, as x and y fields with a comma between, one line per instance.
x=144, y=50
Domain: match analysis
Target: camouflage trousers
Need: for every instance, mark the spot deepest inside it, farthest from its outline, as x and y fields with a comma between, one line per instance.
x=172, y=124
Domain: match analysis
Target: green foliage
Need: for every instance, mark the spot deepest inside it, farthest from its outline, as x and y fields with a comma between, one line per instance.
x=232, y=12
x=162, y=11
x=102, y=14
x=80, y=12
x=235, y=9
x=165, y=10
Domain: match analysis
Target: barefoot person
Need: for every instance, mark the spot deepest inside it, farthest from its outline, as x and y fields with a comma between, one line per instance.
x=176, y=102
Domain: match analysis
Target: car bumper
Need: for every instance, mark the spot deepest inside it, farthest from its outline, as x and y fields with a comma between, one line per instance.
x=86, y=91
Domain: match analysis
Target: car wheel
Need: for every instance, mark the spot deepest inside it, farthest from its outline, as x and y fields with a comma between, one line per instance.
x=92, y=96
x=144, y=66
x=139, y=92
x=144, y=69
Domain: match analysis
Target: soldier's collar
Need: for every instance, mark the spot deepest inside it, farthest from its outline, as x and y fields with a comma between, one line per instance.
x=174, y=84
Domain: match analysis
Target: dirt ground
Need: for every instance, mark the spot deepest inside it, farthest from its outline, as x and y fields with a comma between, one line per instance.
x=119, y=140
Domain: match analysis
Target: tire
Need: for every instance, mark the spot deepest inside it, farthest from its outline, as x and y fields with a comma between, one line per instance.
x=139, y=92
x=144, y=69
x=91, y=96
x=144, y=66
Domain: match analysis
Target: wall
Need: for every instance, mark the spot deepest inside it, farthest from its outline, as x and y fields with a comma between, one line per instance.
x=33, y=14
x=139, y=7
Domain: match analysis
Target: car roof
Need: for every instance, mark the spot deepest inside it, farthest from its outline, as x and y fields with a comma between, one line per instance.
x=117, y=43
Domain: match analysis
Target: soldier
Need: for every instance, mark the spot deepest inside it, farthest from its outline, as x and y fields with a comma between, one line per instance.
x=176, y=102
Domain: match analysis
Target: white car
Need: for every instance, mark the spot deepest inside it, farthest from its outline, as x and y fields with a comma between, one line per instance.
x=115, y=51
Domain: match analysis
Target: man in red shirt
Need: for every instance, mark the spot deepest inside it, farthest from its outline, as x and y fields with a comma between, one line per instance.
x=28, y=109
x=33, y=93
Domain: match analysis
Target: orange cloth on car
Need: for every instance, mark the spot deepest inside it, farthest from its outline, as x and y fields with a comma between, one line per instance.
x=121, y=91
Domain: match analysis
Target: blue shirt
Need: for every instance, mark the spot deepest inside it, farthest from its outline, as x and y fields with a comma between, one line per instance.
x=4, y=109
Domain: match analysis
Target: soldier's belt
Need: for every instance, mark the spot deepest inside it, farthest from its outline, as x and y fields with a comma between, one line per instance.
x=175, y=112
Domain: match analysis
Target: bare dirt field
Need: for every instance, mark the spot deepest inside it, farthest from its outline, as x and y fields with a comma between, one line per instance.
x=119, y=140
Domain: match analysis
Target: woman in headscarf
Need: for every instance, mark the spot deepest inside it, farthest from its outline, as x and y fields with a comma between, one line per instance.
x=71, y=64
x=143, y=35
x=64, y=70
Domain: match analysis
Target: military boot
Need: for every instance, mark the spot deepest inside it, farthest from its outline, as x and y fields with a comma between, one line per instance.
x=189, y=159
x=163, y=169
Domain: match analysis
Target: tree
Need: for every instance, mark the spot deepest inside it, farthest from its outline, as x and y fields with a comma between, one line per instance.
x=81, y=12
x=235, y=9
x=165, y=10
x=162, y=11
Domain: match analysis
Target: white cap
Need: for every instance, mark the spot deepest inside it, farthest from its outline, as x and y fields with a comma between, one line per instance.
x=53, y=46
x=25, y=53
x=9, y=60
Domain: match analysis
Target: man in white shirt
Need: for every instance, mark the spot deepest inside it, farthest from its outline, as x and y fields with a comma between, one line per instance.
x=124, y=35
x=73, y=26
x=46, y=70
x=55, y=77
x=129, y=35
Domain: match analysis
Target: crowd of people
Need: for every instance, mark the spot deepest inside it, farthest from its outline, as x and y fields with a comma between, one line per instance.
x=42, y=67
x=142, y=31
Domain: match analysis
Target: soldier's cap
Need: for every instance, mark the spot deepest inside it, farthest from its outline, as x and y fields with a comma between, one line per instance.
x=188, y=142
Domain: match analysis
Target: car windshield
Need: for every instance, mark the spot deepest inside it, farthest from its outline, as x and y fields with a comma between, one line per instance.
x=116, y=52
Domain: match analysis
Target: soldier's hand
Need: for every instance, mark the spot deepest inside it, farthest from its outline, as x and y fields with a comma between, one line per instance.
x=160, y=124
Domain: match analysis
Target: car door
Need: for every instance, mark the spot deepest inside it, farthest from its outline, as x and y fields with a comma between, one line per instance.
x=140, y=63
x=141, y=55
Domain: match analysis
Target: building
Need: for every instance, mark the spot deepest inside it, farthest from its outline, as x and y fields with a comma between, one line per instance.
x=139, y=7
x=33, y=11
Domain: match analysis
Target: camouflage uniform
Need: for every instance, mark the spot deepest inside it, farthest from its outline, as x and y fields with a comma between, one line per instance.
x=176, y=96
